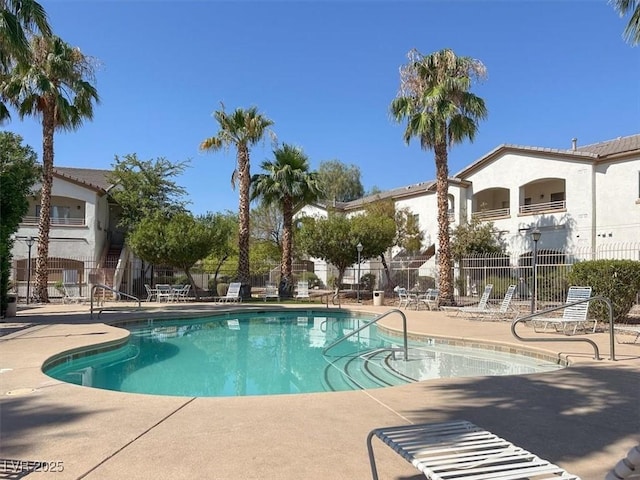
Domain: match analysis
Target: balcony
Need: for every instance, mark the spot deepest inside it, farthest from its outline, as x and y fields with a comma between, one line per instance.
x=492, y=214
x=535, y=208
x=55, y=221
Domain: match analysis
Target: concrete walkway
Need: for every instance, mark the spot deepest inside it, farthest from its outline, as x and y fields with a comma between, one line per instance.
x=584, y=418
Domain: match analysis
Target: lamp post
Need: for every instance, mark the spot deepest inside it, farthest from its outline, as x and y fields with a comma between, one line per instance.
x=359, y=248
x=29, y=241
x=535, y=236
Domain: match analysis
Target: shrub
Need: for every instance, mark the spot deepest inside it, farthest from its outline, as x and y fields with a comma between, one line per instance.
x=180, y=280
x=617, y=280
x=367, y=281
x=500, y=285
x=311, y=278
x=425, y=283
x=552, y=286
x=222, y=288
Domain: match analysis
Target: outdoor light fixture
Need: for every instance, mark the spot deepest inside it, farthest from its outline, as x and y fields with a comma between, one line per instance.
x=359, y=248
x=535, y=236
x=29, y=241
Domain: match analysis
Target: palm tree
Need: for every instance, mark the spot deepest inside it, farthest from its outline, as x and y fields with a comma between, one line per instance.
x=53, y=85
x=242, y=129
x=18, y=18
x=289, y=185
x=632, y=31
x=440, y=111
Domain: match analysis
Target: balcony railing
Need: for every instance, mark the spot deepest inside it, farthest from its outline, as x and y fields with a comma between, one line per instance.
x=55, y=221
x=543, y=207
x=489, y=214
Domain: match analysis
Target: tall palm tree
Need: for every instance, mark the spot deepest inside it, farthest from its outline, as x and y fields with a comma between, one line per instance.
x=18, y=18
x=242, y=129
x=54, y=85
x=435, y=101
x=290, y=185
x=632, y=31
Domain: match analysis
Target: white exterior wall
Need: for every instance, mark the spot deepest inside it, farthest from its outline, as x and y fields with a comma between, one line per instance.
x=426, y=208
x=618, y=202
x=70, y=241
x=560, y=229
x=74, y=241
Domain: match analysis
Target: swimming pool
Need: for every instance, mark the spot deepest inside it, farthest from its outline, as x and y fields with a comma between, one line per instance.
x=276, y=352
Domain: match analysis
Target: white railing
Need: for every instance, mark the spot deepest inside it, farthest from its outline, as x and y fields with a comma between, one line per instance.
x=543, y=207
x=54, y=221
x=488, y=214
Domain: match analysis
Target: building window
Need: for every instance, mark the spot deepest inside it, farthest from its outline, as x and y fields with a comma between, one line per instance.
x=59, y=215
x=557, y=197
x=527, y=201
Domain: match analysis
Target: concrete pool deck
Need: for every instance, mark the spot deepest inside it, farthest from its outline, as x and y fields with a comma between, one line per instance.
x=584, y=418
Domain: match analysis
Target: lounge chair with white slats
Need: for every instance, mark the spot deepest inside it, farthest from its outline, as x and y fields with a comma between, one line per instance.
x=233, y=294
x=461, y=450
x=503, y=312
x=574, y=315
x=470, y=311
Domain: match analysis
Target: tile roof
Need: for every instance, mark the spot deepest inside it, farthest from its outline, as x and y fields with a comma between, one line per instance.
x=91, y=177
x=616, y=146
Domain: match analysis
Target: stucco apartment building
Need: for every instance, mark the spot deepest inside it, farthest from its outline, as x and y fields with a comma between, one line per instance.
x=582, y=199
x=83, y=229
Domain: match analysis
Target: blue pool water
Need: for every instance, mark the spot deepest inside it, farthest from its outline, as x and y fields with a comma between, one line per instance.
x=273, y=353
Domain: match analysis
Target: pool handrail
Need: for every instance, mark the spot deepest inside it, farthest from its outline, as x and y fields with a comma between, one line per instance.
x=571, y=339
x=368, y=324
x=107, y=287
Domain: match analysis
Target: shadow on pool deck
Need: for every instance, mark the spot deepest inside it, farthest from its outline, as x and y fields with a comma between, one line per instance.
x=584, y=418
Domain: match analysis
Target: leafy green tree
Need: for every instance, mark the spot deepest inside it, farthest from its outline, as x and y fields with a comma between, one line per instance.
x=474, y=238
x=224, y=250
x=19, y=172
x=18, y=19
x=440, y=111
x=632, y=31
x=334, y=239
x=143, y=188
x=241, y=129
x=339, y=182
x=53, y=85
x=179, y=240
x=407, y=229
x=267, y=224
x=290, y=185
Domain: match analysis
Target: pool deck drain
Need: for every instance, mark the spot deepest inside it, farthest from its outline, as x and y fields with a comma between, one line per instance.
x=584, y=418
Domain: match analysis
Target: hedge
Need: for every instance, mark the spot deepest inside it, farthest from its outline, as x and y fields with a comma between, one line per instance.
x=617, y=280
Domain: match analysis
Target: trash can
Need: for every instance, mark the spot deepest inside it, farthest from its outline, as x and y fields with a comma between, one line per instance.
x=378, y=298
x=12, y=307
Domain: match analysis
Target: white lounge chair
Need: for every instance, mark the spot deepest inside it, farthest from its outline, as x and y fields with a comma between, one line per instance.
x=470, y=311
x=497, y=313
x=233, y=294
x=303, y=291
x=572, y=315
x=271, y=291
x=461, y=450
x=623, y=330
x=72, y=294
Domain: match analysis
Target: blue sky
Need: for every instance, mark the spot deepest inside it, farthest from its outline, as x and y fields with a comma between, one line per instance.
x=326, y=71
